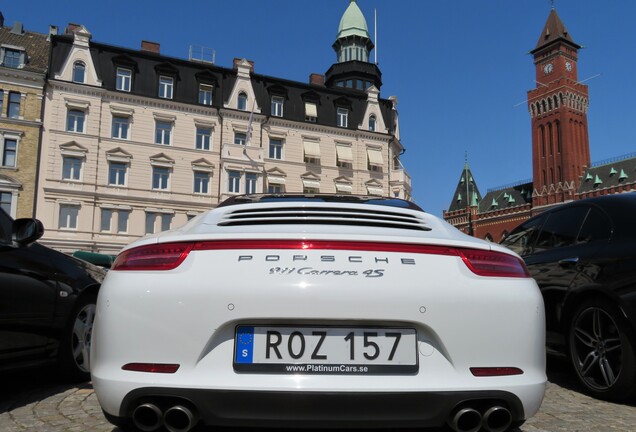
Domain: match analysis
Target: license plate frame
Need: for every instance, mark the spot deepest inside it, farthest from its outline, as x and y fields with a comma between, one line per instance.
x=396, y=355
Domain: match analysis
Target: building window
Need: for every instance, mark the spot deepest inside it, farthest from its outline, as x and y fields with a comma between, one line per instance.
x=310, y=190
x=160, y=178
x=372, y=123
x=204, y=137
x=242, y=101
x=117, y=173
x=201, y=182
x=205, y=94
x=250, y=183
x=150, y=222
x=120, y=127
x=234, y=181
x=79, y=72
x=13, y=109
x=13, y=58
x=163, y=132
x=9, y=152
x=275, y=148
x=343, y=115
x=107, y=217
x=124, y=79
x=6, y=199
x=311, y=149
x=68, y=216
x=240, y=138
x=165, y=87
x=275, y=189
x=151, y=219
x=277, y=106
x=75, y=121
x=1, y=100
x=71, y=168
x=166, y=221
x=311, y=112
x=122, y=221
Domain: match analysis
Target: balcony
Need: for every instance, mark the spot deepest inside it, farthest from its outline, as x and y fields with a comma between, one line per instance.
x=241, y=153
x=400, y=176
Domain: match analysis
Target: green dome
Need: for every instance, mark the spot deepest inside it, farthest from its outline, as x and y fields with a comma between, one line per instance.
x=353, y=22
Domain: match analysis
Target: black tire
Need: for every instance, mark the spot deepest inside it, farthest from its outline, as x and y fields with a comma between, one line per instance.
x=602, y=351
x=74, y=355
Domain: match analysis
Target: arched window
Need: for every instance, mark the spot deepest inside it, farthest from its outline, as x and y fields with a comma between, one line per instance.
x=550, y=138
x=488, y=237
x=550, y=104
x=543, y=106
x=79, y=72
x=242, y=101
x=556, y=101
x=542, y=138
x=372, y=123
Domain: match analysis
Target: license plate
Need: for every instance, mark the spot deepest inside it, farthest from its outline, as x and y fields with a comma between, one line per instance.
x=325, y=350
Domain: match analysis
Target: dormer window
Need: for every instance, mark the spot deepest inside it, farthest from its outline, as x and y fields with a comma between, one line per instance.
x=124, y=79
x=205, y=94
x=166, y=85
x=343, y=115
x=242, y=101
x=12, y=57
x=372, y=122
x=277, y=106
x=79, y=72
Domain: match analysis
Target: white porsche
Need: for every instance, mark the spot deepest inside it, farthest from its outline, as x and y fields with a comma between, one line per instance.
x=318, y=311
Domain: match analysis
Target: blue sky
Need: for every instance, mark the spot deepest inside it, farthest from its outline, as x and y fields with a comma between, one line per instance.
x=460, y=68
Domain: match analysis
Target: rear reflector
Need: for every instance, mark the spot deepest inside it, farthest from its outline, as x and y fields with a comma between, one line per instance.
x=165, y=368
x=168, y=256
x=495, y=371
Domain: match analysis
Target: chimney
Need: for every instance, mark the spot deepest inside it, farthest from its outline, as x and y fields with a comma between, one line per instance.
x=238, y=60
x=152, y=47
x=1, y=20
x=71, y=27
x=52, y=31
x=17, y=28
x=317, y=79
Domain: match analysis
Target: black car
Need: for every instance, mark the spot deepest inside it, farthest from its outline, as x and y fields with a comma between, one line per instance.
x=583, y=257
x=47, y=302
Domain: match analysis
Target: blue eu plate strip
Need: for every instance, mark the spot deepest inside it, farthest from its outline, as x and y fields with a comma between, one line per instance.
x=244, y=344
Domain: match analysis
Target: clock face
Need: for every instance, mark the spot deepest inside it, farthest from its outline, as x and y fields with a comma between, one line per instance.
x=548, y=68
x=568, y=66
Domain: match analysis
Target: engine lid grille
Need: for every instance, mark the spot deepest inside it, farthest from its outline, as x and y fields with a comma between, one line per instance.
x=323, y=216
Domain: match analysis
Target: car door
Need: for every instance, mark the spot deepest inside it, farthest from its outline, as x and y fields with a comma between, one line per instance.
x=559, y=258
x=27, y=297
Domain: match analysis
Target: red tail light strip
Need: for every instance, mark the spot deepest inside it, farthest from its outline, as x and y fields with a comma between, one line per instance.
x=168, y=256
x=151, y=367
x=495, y=371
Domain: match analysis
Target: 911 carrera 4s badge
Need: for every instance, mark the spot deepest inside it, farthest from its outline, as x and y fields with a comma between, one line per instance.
x=310, y=271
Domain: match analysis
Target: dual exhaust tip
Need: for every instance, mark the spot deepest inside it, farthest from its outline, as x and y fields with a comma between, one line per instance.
x=148, y=417
x=495, y=419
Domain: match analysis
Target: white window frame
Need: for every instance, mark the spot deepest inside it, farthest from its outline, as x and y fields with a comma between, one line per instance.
x=233, y=182
x=163, y=176
x=68, y=216
x=73, y=115
x=118, y=174
x=163, y=138
x=275, y=150
x=251, y=183
x=75, y=171
x=3, y=150
x=278, y=103
x=240, y=138
x=75, y=68
x=19, y=50
x=202, y=180
x=205, y=143
x=166, y=87
x=373, y=123
x=275, y=188
x=14, y=104
x=241, y=101
x=311, y=112
x=206, y=94
x=118, y=121
x=342, y=117
x=123, y=79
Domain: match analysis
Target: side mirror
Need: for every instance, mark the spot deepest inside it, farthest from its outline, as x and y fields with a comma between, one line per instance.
x=26, y=231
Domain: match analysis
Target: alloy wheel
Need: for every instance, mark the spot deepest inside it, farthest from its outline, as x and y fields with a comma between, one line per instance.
x=596, y=348
x=82, y=332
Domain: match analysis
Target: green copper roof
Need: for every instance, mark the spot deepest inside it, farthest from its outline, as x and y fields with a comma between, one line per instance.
x=353, y=22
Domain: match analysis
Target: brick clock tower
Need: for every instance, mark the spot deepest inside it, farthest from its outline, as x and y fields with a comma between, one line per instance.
x=558, y=107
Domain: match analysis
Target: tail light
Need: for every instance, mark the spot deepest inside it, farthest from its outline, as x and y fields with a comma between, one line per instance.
x=167, y=368
x=169, y=256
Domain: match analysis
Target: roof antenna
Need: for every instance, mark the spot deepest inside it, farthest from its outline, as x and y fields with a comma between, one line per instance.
x=552, y=4
x=375, y=34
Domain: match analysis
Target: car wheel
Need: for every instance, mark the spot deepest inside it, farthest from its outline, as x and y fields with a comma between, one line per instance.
x=602, y=350
x=74, y=355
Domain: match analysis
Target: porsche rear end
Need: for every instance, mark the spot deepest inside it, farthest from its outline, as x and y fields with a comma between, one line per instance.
x=318, y=315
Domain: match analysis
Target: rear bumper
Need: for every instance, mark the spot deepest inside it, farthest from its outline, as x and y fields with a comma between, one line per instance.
x=321, y=409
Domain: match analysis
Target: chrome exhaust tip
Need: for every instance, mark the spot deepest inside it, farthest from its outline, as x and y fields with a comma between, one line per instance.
x=497, y=419
x=179, y=419
x=147, y=417
x=465, y=420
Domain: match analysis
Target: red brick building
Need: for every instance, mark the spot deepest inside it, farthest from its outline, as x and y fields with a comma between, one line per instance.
x=561, y=168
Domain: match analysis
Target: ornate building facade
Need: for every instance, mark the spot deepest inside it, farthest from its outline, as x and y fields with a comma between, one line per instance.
x=561, y=168
x=135, y=142
x=23, y=63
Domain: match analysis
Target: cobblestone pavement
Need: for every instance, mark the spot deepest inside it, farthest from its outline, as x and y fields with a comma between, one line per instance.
x=35, y=403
